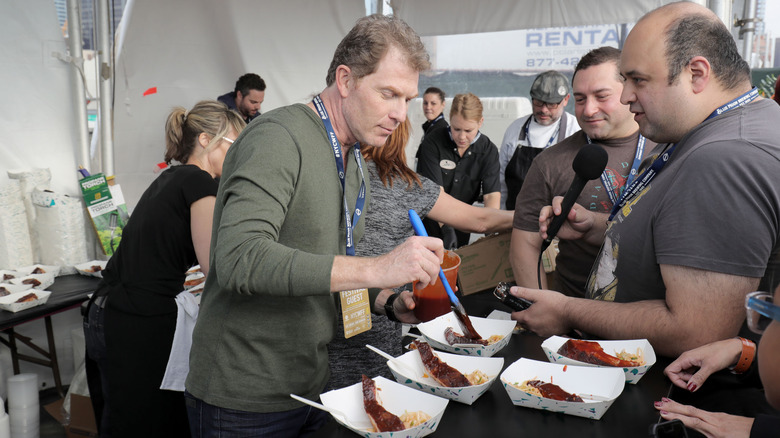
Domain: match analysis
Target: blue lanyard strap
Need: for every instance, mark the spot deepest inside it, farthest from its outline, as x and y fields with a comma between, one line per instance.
x=611, y=187
x=646, y=176
x=361, y=199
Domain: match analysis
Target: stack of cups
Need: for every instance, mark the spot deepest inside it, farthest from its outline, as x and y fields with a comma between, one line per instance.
x=23, y=407
x=5, y=423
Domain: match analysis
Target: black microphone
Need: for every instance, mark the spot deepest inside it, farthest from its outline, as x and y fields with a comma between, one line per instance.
x=589, y=163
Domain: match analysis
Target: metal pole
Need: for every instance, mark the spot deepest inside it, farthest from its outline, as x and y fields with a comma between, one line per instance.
x=748, y=30
x=722, y=9
x=75, y=42
x=105, y=75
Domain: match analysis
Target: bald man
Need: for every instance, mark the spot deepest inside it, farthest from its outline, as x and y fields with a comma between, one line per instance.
x=689, y=239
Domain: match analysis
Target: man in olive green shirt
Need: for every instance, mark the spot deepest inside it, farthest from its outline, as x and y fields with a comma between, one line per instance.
x=281, y=234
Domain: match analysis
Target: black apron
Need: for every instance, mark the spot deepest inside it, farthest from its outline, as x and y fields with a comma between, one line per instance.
x=517, y=168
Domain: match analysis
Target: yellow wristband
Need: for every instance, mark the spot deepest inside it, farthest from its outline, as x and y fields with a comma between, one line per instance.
x=746, y=358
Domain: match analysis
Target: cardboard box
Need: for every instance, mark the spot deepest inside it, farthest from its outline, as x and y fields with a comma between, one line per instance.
x=82, y=417
x=485, y=263
x=107, y=209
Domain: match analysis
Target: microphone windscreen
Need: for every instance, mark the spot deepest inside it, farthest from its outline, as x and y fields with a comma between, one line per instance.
x=590, y=161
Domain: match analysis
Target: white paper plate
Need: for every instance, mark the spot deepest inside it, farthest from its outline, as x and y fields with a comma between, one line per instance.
x=394, y=397
x=88, y=268
x=9, y=274
x=433, y=332
x=9, y=303
x=44, y=280
x=15, y=288
x=599, y=387
x=632, y=374
x=47, y=269
x=465, y=364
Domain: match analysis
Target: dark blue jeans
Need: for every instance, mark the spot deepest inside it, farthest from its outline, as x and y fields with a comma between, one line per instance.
x=209, y=421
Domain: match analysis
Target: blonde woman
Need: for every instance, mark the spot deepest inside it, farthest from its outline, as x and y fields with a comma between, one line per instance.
x=462, y=160
x=132, y=317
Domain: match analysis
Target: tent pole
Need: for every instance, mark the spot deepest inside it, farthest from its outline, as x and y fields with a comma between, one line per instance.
x=75, y=42
x=105, y=75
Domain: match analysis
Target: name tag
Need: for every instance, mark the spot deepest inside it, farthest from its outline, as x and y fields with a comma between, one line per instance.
x=447, y=164
x=355, y=311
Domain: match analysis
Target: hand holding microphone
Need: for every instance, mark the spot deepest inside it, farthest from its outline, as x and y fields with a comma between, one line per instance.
x=589, y=164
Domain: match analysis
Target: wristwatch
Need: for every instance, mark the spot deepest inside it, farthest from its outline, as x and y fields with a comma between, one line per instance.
x=389, y=311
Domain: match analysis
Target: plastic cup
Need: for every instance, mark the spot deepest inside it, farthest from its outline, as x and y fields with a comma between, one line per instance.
x=22, y=390
x=432, y=301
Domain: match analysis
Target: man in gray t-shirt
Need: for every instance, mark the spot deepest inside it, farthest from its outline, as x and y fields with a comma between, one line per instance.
x=597, y=86
x=695, y=237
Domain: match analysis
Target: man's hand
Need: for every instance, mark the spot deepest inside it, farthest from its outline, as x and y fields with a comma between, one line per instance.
x=417, y=259
x=692, y=368
x=579, y=221
x=546, y=317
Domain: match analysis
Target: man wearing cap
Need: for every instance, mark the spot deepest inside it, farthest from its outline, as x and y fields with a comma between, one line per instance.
x=529, y=135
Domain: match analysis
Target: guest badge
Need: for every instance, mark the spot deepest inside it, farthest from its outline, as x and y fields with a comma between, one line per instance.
x=355, y=311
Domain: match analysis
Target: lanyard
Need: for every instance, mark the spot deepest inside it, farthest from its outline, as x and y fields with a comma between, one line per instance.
x=646, y=176
x=361, y=199
x=609, y=187
x=439, y=117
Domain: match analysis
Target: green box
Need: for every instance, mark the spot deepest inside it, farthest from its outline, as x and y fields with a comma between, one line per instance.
x=107, y=210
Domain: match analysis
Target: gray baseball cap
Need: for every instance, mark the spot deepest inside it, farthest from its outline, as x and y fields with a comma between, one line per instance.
x=550, y=87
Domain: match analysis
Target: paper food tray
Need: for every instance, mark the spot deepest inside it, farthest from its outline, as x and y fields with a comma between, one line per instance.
x=465, y=364
x=9, y=303
x=396, y=398
x=43, y=280
x=632, y=374
x=47, y=269
x=599, y=387
x=88, y=268
x=433, y=332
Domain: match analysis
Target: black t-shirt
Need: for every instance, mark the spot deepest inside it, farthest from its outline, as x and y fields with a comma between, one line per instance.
x=462, y=177
x=148, y=269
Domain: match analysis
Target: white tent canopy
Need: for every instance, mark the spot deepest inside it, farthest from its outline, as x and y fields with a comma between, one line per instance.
x=436, y=17
x=208, y=44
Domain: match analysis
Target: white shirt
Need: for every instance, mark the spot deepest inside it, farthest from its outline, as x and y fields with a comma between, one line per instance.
x=538, y=137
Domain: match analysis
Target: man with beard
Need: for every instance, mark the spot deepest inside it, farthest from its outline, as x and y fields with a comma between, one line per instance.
x=527, y=136
x=604, y=120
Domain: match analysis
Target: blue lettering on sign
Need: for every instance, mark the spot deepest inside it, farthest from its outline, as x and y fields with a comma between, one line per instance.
x=532, y=39
x=559, y=38
x=571, y=37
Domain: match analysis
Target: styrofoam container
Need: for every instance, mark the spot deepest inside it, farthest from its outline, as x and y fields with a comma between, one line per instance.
x=9, y=303
x=632, y=374
x=88, y=268
x=598, y=387
x=47, y=269
x=44, y=280
x=465, y=364
x=433, y=331
x=394, y=397
x=15, y=288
